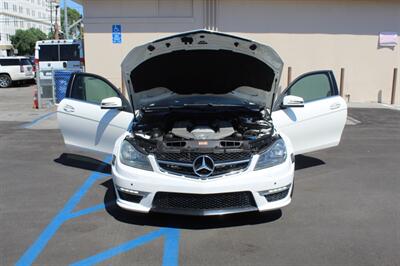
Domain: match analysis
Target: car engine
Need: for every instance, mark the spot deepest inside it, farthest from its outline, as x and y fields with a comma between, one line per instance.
x=183, y=142
x=212, y=131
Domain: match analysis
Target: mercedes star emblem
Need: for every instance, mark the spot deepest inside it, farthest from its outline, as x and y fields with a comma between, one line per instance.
x=203, y=166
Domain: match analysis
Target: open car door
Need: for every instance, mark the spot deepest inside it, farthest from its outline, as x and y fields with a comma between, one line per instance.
x=86, y=126
x=319, y=123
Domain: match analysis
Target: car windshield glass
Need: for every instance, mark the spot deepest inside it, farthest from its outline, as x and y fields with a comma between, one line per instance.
x=48, y=53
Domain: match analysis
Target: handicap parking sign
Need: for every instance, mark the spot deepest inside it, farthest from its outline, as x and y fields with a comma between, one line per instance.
x=116, y=38
x=116, y=33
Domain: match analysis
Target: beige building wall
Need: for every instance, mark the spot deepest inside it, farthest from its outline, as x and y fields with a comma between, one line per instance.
x=308, y=35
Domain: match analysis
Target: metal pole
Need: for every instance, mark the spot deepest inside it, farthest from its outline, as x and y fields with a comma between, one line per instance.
x=341, y=81
x=56, y=33
x=289, y=75
x=51, y=16
x=66, y=31
x=394, y=83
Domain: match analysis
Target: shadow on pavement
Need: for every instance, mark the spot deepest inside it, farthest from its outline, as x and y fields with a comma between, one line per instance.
x=304, y=161
x=83, y=162
x=175, y=221
x=181, y=221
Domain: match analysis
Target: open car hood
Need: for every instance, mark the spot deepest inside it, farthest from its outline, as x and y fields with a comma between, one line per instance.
x=202, y=67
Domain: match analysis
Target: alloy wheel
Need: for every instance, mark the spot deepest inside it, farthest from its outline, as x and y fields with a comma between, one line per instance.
x=5, y=81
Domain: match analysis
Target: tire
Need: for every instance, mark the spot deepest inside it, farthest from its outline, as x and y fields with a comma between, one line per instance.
x=5, y=81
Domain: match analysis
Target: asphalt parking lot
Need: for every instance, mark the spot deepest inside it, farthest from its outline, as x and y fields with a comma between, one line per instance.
x=57, y=209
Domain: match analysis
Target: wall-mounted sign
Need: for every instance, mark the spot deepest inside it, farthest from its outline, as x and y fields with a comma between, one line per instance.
x=388, y=39
x=116, y=33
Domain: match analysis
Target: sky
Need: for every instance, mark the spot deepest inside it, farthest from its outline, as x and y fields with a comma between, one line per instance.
x=72, y=4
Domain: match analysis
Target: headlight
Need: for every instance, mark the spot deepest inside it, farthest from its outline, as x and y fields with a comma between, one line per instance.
x=130, y=156
x=276, y=154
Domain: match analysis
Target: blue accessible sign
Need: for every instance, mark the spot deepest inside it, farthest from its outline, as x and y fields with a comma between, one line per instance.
x=116, y=33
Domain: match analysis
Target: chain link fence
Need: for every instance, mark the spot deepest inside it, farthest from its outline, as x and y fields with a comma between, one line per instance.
x=52, y=86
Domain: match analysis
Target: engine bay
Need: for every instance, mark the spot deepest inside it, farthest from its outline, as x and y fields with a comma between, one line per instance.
x=210, y=131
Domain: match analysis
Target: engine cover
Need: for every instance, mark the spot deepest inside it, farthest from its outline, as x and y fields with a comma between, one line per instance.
x=186, y=130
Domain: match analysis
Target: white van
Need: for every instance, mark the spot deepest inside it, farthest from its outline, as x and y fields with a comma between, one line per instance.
x=58, y=55
x=14, y=68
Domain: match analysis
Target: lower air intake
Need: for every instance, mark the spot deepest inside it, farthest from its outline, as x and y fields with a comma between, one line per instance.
x=221, y=201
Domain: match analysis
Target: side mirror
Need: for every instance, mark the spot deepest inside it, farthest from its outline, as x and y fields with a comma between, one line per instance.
x=292, y=101
x=111, y=103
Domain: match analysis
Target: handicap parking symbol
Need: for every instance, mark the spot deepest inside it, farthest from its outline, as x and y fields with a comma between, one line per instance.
x=116, y=33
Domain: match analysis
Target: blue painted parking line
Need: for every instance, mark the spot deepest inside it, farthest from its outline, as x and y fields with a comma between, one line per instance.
x=171, y=248
x=95, y=208
x=37, y=120
x=37, y=247
x=171, y=236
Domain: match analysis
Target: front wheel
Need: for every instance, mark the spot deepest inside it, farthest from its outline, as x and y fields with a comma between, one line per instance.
x=5, y=81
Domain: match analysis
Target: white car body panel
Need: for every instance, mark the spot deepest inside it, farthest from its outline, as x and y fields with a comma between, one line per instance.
x=59, y=64
x=17, y=75
x=98, y=128
x=316, y=126
x=14, y=71
x=249, y=180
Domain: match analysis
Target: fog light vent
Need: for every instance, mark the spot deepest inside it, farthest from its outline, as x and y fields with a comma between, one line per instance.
x=276, y=193
x=130, y=195
x=277, y=196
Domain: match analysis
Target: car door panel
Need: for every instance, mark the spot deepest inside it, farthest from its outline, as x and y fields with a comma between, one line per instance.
x=89, y=129
x=317, y=125
x=309, y=130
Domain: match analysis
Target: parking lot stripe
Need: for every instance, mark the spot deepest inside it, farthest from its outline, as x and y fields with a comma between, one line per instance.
x=37, y=120
x=171, y=235
x=171, y=248
x=121, y=248
x=86, y=211
x=37, y=247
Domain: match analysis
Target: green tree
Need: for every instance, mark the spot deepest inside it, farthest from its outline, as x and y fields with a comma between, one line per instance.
x=73, y=16
x=25, y=40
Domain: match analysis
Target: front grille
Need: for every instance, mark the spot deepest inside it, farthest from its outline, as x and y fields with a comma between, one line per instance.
x=229, y=168
x=182, y=163
x=222, y=201
x=188, y=157
x=277, y=196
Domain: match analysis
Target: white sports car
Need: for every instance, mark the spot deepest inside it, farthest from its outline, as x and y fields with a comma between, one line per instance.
x=203, y=130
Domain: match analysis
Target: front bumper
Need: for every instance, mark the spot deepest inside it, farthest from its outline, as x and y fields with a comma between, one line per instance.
x=143, y=186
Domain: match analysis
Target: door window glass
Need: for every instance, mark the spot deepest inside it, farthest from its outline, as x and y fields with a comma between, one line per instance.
x=25, y=62
x=9, y=62
x=91, y=89
x=312, y=87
